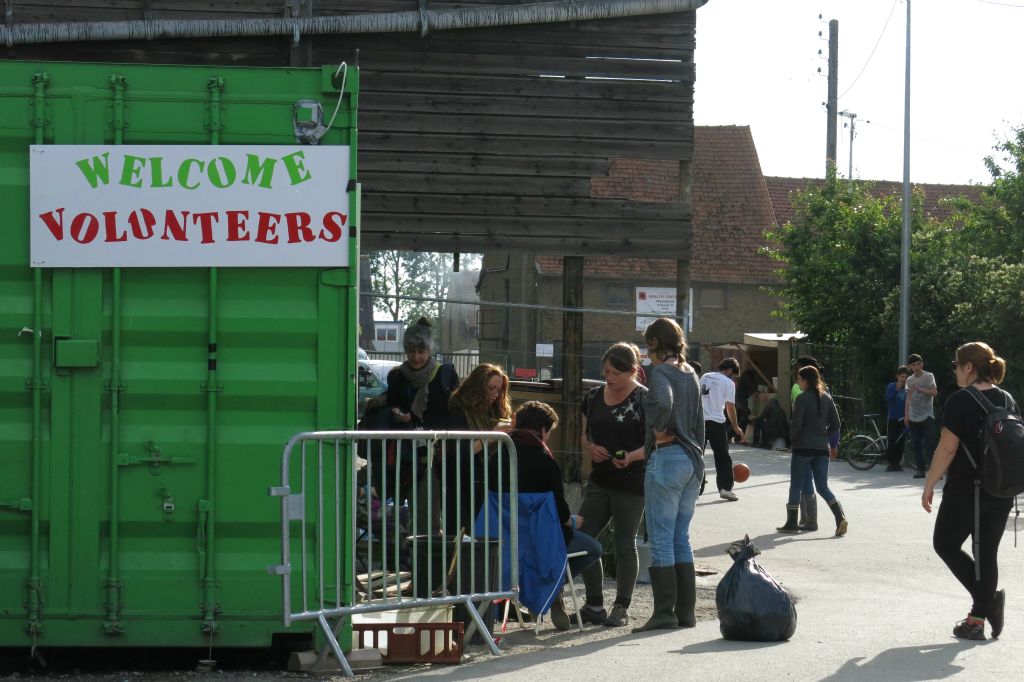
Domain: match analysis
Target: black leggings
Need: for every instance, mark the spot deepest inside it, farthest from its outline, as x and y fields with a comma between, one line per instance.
x=954, y=523
x=716, y=434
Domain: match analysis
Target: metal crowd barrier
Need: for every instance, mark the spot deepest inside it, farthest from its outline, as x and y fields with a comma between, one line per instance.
x=382, y=525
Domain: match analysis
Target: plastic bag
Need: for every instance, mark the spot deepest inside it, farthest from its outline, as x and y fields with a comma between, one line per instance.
x=751, y=605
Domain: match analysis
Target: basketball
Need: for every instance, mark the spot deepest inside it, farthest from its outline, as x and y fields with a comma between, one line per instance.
x=740, y=472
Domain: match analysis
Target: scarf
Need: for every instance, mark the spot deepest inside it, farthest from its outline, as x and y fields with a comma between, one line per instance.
x=419, y=379
x=530, y=438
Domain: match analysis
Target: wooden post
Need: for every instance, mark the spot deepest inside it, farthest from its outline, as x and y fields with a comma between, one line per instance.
x=683, y=264
x=572, y=362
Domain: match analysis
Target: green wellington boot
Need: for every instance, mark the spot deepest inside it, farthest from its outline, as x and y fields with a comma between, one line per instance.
x=809, y=512
x=663, y=584
x=791, y=525
x=686, y=595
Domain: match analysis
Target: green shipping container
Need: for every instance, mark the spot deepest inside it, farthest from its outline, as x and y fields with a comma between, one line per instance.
x=143, y=410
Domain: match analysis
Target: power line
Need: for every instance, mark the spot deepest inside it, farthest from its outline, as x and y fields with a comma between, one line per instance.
x=872, y=51
x=1001, y=4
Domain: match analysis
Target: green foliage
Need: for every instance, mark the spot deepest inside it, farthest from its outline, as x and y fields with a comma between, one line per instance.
x=841, y=277
x=414, y=274
x=410, y=273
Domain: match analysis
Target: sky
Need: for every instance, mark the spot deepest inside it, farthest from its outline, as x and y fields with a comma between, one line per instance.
x=757, y=64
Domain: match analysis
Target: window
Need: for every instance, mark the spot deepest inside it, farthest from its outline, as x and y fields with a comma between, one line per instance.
x=387, y=334
x=619, y=295
x=712, y=298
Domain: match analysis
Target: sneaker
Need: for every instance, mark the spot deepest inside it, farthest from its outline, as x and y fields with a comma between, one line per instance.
x=559, y=618
x=618, y=617
x=593, y=614
x=728, y=495
x=919, y=473
x=965, y=629
x=995, y=619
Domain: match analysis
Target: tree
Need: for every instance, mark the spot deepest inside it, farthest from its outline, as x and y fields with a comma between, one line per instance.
x=841, y=265
x=396, y=275
x=840, y=274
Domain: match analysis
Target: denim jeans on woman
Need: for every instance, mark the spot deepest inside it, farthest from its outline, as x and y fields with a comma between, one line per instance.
x=670, y=496
x=802, y=468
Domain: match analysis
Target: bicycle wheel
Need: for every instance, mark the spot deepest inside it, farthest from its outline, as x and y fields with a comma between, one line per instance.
x=850, y=451
x=868, y=456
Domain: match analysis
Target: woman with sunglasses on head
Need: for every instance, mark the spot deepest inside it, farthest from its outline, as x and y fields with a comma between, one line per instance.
x=978, y=371
x=480, y=403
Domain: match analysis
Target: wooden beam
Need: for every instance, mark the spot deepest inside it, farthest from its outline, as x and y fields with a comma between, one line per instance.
x=572, y=362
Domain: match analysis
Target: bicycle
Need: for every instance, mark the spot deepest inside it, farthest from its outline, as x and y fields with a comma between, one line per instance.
x=863, y=450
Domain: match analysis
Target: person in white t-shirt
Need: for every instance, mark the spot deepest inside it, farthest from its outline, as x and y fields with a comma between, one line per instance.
x=718, y=393
x=918, y=413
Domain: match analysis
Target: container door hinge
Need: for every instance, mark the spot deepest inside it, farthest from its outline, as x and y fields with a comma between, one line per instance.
x=24, y=504
x=279, y=569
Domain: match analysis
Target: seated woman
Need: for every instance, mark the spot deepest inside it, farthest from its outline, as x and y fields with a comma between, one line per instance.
x=538, y=472
x=480, y=403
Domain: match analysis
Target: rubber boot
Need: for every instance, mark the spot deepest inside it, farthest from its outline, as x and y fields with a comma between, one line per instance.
x=663, y=584
x=791, y=525
x=686, y=595
x=837, y=511
x=809, y=510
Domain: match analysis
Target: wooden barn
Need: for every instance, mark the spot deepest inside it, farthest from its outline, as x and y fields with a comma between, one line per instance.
x=488, y=126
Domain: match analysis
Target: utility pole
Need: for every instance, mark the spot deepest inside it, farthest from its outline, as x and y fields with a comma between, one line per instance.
x=833, y=94
x=905, y=243
x=853, y=123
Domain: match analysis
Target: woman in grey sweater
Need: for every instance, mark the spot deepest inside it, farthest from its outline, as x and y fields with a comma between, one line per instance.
x=814, y=419
x=673, y=449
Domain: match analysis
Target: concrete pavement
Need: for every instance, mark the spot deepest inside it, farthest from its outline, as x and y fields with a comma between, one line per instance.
x=877, y=604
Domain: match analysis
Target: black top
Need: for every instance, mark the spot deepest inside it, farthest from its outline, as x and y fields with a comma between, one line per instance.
x=616, y=427
x=439, y=390
x=966, y=419
x=539, y=473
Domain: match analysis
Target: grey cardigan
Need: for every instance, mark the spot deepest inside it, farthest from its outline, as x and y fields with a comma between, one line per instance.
x=673, y=404
x=811, y=427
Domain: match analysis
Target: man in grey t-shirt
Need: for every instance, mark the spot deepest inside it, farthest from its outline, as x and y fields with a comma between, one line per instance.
x=918, y=413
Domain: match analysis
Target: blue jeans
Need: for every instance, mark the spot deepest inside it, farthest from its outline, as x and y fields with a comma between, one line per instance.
x=922, y=436
x=581, y=542
x=670, y=496
x=801, y=469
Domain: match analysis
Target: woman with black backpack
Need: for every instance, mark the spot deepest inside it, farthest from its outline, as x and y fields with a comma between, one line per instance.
x=978, y=371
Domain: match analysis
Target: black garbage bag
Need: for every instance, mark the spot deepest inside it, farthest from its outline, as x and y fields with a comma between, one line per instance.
x=752, y=607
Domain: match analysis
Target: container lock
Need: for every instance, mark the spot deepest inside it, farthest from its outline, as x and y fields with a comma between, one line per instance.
x=308, y=121
x=167, y=505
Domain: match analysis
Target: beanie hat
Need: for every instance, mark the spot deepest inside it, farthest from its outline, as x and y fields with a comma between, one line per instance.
x=419, y=335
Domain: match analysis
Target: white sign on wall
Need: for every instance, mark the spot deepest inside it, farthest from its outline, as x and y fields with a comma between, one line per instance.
x=656, y=302
x=189, y=206
x=545, y=350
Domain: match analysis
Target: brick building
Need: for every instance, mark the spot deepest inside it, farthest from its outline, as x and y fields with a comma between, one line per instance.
x=733, y=205
x=731, y=211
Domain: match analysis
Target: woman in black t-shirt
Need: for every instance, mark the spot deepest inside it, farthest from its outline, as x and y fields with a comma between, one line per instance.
x=977, y=367
x=613, y=429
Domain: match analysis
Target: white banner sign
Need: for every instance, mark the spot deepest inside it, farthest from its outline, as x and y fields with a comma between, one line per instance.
x=189, y=206
x=657, y=302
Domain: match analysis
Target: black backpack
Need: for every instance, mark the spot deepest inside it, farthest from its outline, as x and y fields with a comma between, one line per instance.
x=1002, y=459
